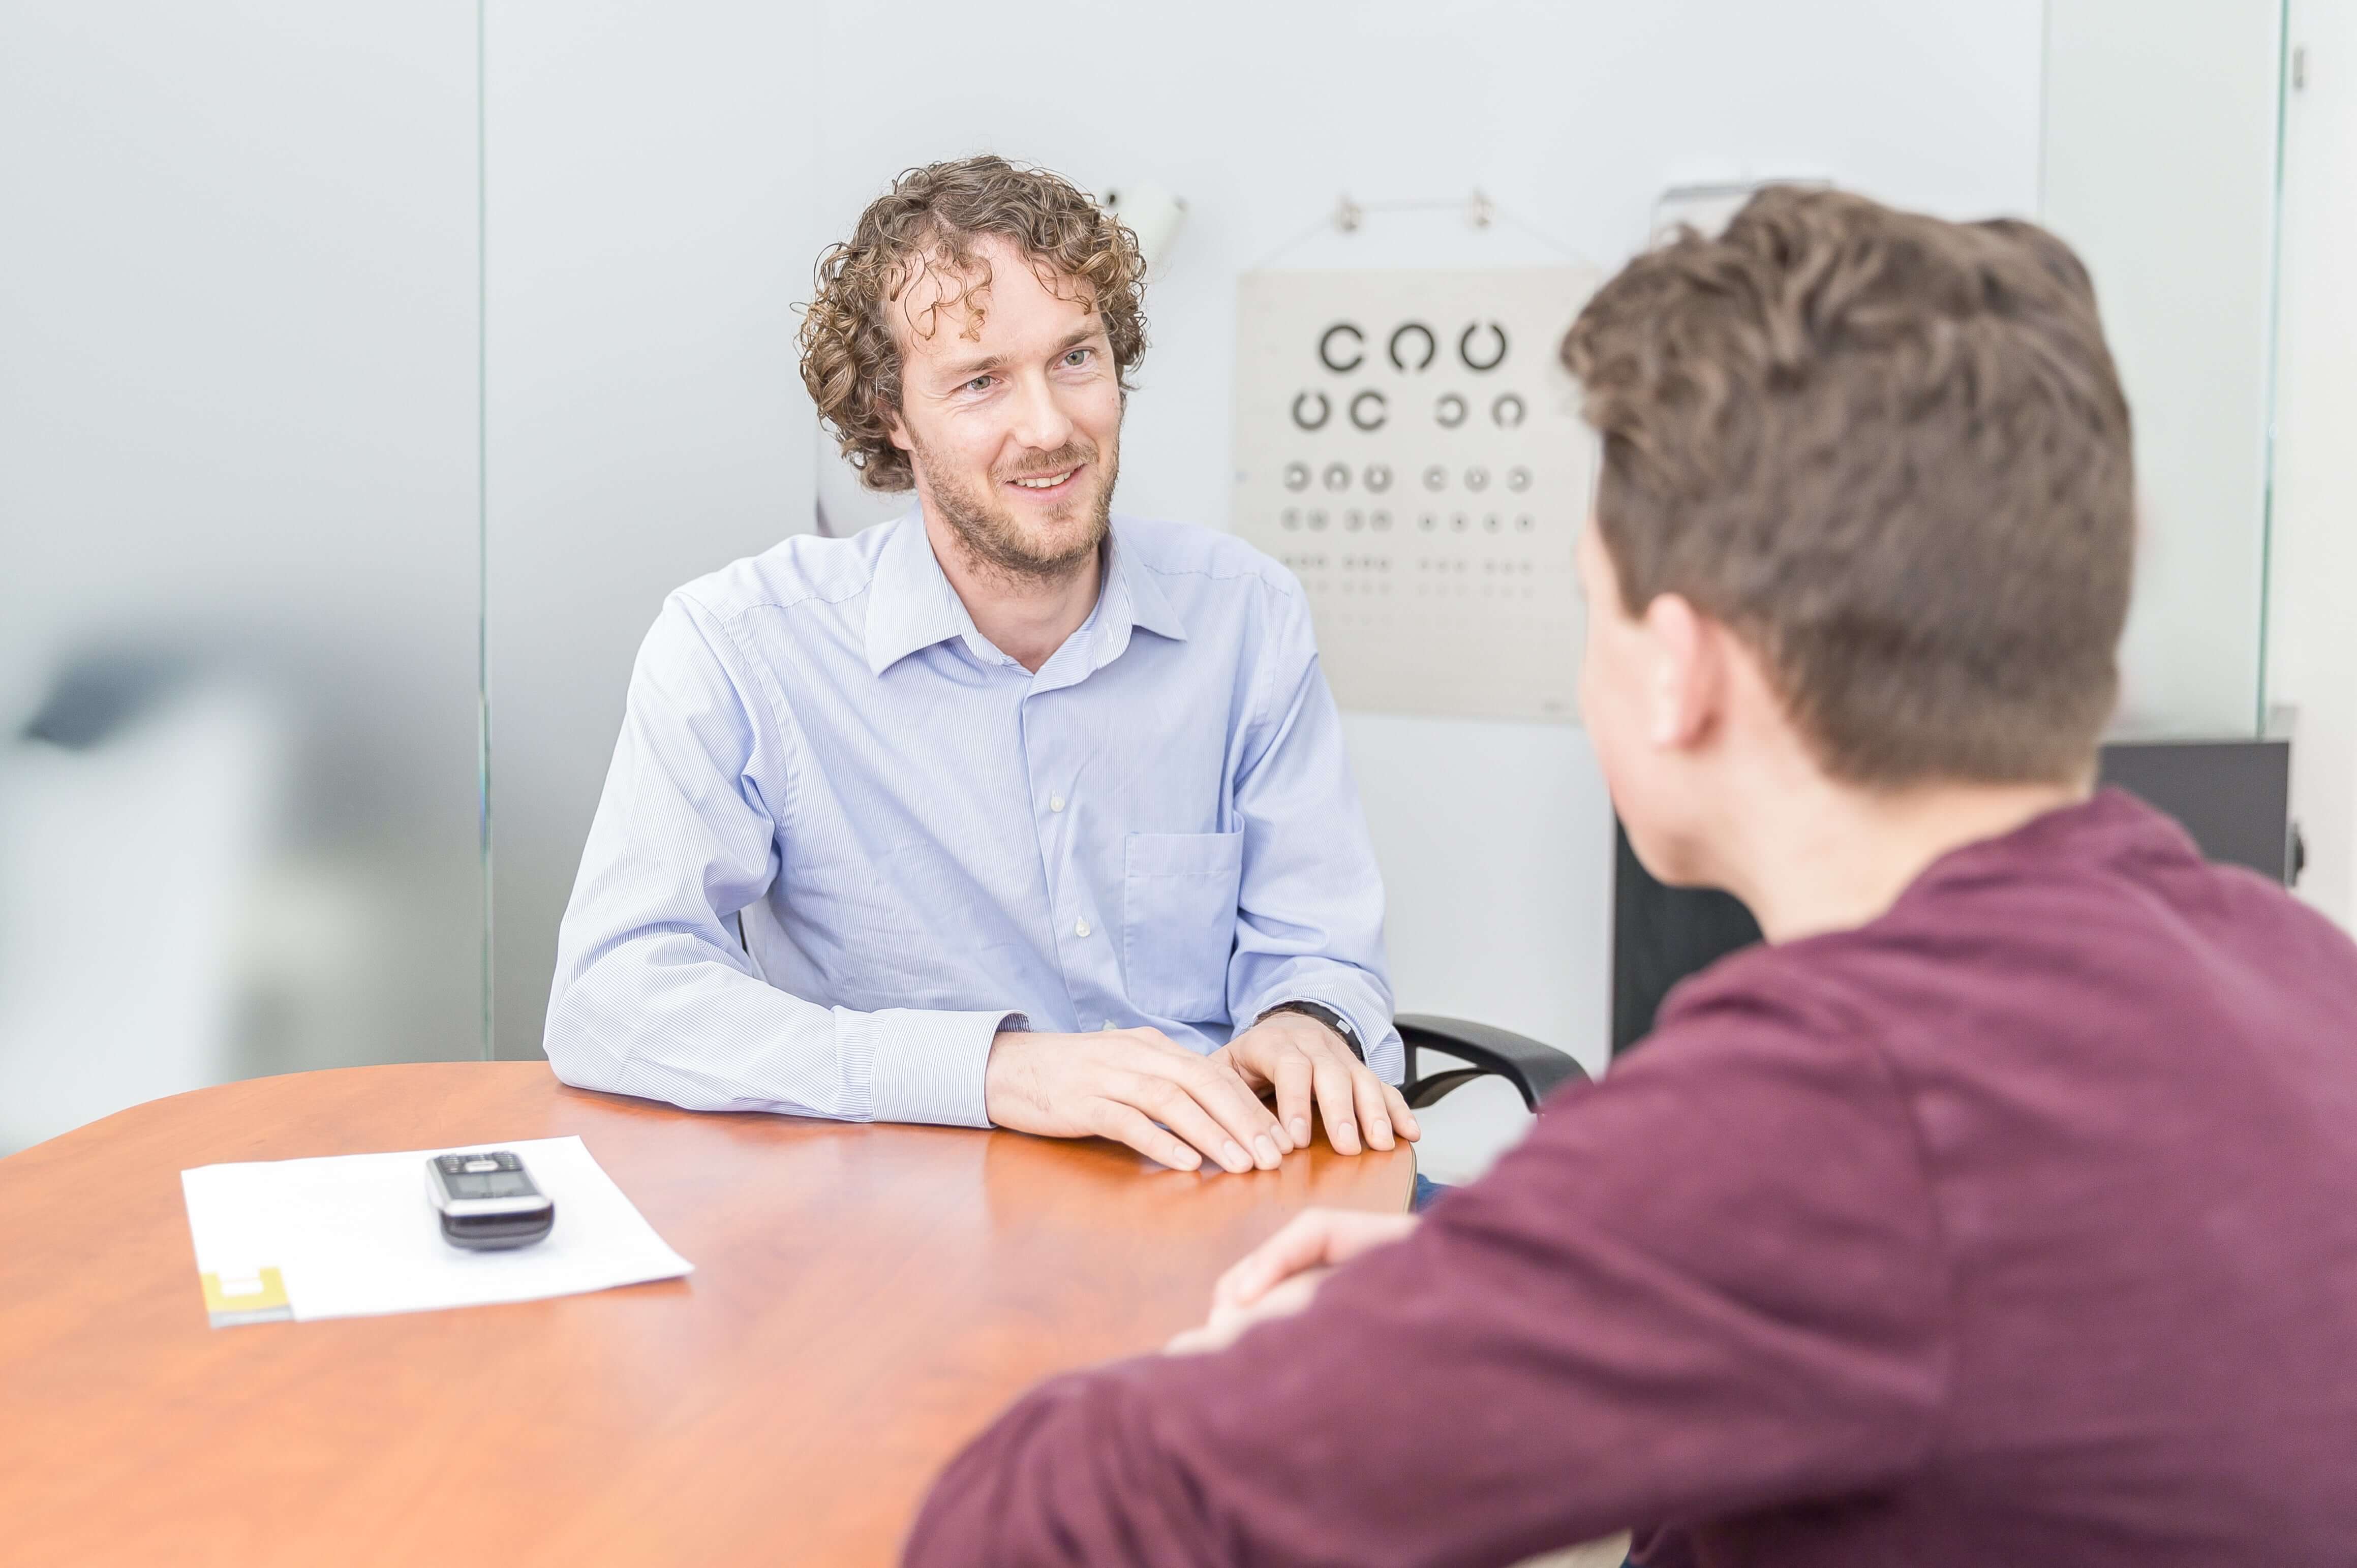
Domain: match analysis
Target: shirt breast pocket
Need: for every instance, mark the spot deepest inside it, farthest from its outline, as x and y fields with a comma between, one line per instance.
x=1178, y=922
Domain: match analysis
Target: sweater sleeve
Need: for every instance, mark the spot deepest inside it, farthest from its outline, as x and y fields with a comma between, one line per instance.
x=1710, y=1283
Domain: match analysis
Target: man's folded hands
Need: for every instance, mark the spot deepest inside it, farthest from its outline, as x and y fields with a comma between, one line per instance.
x=1137, y=1086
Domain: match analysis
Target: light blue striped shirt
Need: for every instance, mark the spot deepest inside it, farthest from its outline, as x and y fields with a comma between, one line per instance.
x=845, y=838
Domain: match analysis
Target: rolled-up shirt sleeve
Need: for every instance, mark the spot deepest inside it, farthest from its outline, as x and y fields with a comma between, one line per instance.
x=1309, y=918
x=654, y=994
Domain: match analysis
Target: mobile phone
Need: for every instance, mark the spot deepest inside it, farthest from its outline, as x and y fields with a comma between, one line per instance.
x=487, y=1201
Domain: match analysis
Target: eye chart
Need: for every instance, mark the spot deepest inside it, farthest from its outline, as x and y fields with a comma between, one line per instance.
x=1409, y=443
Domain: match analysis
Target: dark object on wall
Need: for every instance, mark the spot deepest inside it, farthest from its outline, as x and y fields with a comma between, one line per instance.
x=2233, y=796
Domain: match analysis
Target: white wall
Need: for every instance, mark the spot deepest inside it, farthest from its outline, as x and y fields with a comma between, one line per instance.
x=2312, y=633
x=646, y=424
x=2159, y=170
x=1495, y=838
x=647, y=179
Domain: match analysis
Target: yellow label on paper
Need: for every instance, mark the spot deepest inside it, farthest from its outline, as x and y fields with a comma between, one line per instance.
x=256, y=1295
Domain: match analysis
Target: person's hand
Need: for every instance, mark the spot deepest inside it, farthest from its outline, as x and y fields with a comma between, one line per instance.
x=1312, y=1070
x=1117, y=1083
x=1282, y=1276
x=1226, y=1324
x=1313, y=1240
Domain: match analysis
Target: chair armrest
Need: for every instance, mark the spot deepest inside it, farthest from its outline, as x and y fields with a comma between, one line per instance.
x=1533, y=1069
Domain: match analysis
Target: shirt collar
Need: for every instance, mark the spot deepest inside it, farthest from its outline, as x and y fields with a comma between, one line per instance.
x=1137, y=599
x=911, y=604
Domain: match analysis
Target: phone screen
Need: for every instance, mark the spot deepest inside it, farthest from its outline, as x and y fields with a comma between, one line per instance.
x=497, y=1175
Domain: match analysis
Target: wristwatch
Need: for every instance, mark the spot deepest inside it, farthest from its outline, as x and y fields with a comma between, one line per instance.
x=1324, y=1015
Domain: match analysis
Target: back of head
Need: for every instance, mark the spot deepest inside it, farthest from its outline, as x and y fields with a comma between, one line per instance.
x=1890, y=453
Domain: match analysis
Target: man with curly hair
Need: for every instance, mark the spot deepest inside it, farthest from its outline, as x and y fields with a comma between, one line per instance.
x=1008, y=812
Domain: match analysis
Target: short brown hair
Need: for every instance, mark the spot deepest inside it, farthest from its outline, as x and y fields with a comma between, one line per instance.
x=929, y=220
x=1891, y=454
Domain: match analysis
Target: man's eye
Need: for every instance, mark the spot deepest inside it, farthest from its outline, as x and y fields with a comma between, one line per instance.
x=980, y=383
x=1078, y=357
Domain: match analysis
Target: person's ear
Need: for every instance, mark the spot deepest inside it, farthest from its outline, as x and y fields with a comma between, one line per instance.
x=1686, y=687
x=898, y=431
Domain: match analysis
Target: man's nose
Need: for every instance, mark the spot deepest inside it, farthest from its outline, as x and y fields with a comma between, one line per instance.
x=1042, y=423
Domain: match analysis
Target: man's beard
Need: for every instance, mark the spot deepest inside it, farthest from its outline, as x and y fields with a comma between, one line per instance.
x=994, y=540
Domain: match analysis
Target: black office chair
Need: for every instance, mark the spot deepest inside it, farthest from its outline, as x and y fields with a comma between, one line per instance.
x=1535, y=1071
x=1660, y=935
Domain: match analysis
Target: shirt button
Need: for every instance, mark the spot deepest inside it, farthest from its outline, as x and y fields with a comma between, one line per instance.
x=1055, y=802
x=1081, y=926
x=1108, y=1024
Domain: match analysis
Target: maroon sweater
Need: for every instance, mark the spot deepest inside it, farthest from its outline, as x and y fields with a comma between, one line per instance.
x=2018, y=1225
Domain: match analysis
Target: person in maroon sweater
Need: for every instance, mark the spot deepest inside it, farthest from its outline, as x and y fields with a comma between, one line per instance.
x=2001, y=1209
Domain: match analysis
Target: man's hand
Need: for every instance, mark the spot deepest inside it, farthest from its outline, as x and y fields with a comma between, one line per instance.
x=1281, y=1276
x=1117, y=1084
x=1312, y=1071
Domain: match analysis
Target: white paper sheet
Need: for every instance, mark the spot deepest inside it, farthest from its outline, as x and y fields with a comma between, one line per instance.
x=355, y=1235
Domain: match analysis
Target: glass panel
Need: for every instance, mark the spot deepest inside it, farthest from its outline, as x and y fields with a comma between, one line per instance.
x=239, y=709
x=2160, y=157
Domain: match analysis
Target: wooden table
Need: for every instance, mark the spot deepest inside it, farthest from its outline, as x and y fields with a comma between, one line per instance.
x=865, y=1299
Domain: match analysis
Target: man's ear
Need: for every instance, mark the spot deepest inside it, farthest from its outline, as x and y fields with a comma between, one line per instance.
x=1686, y=687
x=896, y=430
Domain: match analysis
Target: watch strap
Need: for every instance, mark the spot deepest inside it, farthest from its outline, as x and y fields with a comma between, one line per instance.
x=1324, y=1015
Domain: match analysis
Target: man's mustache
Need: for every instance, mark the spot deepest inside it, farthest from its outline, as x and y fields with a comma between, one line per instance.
x=1055, y=462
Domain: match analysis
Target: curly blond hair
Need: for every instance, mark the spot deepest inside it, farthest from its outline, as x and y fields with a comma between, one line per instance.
x=929, y=221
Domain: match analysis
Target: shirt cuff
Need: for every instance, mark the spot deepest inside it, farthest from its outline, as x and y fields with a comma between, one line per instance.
x=928, y=1066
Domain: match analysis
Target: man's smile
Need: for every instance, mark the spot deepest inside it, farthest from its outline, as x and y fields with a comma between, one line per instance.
x=1046, y=484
